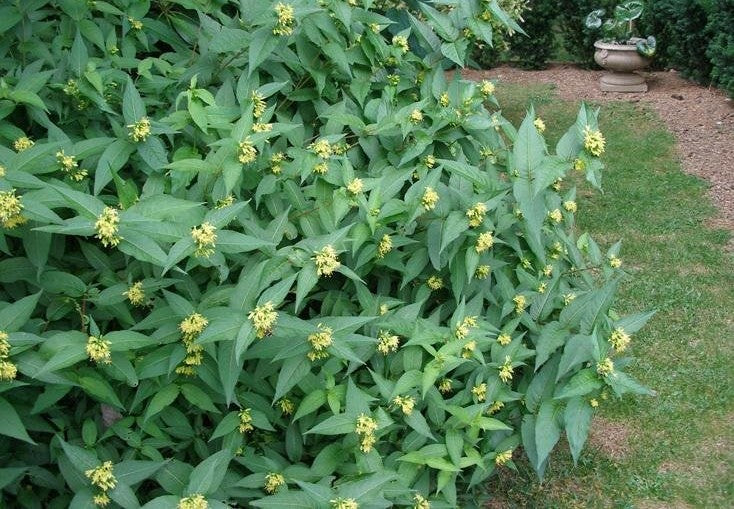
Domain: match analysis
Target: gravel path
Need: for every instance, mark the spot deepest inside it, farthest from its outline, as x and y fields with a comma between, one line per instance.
x=701, y=118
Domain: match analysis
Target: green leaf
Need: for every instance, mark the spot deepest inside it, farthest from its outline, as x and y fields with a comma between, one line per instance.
x=583, y=382
x=130, y=472
x=310, y=403
x=551, y=337
x=340, y=424
x=207, y=476
x=226, y=426
x=16, y=315
x=292, y=372
x=547, y=430
x=101, y=389
x=198, y=398
x=133, y=108
x=10, y=423
x=261, y=46
x=78, y=57
x=366, y=488
x=416, y=421
x=161, y=400
x=578, y=420
x=285, y=500
x=82, y=459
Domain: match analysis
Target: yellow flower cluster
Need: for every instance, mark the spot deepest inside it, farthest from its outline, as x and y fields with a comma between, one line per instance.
x=136, y=24
x=444, y=386
x=548, y=270
x=273, y=481
x=503, y=457
x=495, y=407
x=555, y=215
x=615, y=262
x=401, y=42
x=383, y=309
x=393, y=79
x=484, y=242
x=539, y=125
x=605, y=367
x=435, y=282
x=258, y=104
x=103, y=478
x=70, y=166
x=286, y=406
x=468, y=349
x=8, y=370
x=579, y=165
x=570, y=206
x=98, y=349
x=205, y=237
x=224, y=202
x=406, y=403
x=416, y=116
x=365, y=428
x=594, y=402
x=429, y=199
x=327, y=261
x=275, y=162
x=320, y=341
x=385, y=246
x=190, y=328
x=245, y=416
x=568, y=298
x=286, y=19
x=420, y=502
x=2, y=171
x=263, y=318
x=246, y=151
x=619, y=339
x=23, y=143
x=140, y=130
x=387, y=342
x=135, y=294
x=542, y=287
x=465, y=326
x=195, y=501
x=504, y=339
x=593, y=141
x=321, y=168
x=557, y=184
x=480, y=391
x=506, y=370
x=10, y=209
x=429, y=161
x=261, y=127
x=520, y=303
x=355, y=186
x=321, y=148
x=107, y=227
x=482, y=272
x=486, y=88
x=101, y=499
x=344, y=503
x=444, y=100
x=476, y=214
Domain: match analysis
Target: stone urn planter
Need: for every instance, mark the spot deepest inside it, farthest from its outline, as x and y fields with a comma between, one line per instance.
x=622, y=61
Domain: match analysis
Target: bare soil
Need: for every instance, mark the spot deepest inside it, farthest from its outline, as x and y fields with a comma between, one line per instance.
x=701, y=118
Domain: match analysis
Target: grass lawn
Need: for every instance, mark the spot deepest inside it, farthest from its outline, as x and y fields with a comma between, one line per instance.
x=674, y=449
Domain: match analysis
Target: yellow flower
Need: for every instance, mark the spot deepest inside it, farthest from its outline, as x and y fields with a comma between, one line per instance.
x=107, y=227
x=273, y=481
x=482, y=272
x=78, y=175
x=387, y=342
x=476, y=214
x=555, y=215
x=365, y=428
x=526, y=262
x=245, y=416
x=205, y=237
x=135, y=24
x=258, y=104
x=327, y=261
x=401, y=42
x=98, y=349
x=539, y=125
x=344, y=503
x=10, y=209
x=393, y=79
x=385, y=246
x=320, y=341
x=8, y=371
x=383, y=309
x=420, y=502
x=261, y=127
x=355, y=186
x=321, y=168
x=619, y=339
x=496, y=407
x=548, y=270
x=195, y=501
x=444, y=99
x=593, y=402
x=568, y=298
x=2, y=171
x=503, y=457
x=486, y=88
x=504, y=339
x=102, y=476
x=444, y=386
x=593, y=141
x=520, y=303
x=416, y=116
x=247, y=152
x=224, y=202
x=484, y=242
x=101, y=499
x=435, y=282
x=23, y=143
x=140, y=130
x=480, y=391
x=557, y=184
x=429, y=199
x=506, y=370
x=286, y=18
x=66, y=162
x=468, y=349
x=192, y=326
x=321, y=148
x=465, y=326
x=263, y=318
x=286, y=406
x=406, y=403
x=135, y=294
x=605, y=367
x=579, y=165
x=4, y=345
x=275, y=162
x=570, y=206
x=615, y=262
x=542, y=287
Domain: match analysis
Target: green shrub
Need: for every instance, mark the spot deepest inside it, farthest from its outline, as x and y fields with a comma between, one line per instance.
x=485, y=55
x=536, y=47
x=578, y=40
x=272, y=258
x=720, y=51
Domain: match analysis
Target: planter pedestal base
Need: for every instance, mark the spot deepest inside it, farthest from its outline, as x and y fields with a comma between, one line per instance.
x=622, y=82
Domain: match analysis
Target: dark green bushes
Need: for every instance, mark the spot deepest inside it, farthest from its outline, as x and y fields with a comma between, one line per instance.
x=534, y=50
x=721, y=49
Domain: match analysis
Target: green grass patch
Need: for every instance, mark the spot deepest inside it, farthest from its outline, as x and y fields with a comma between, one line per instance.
x=674, y=449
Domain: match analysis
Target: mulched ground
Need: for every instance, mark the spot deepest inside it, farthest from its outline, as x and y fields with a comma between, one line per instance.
x=701, y=118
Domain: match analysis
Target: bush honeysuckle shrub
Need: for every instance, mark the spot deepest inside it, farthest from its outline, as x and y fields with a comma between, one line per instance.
x=265, y=254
